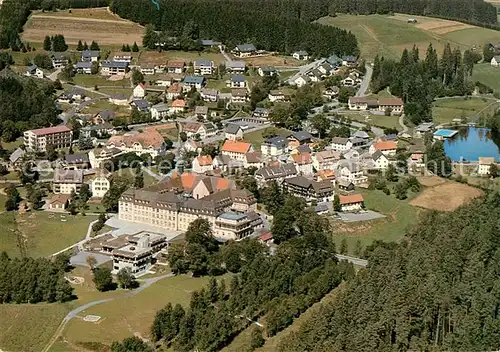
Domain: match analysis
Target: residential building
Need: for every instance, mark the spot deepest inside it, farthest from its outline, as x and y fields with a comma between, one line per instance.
x=202, y=164
x=178, y=106
x=331, y=93
x=203, y=130
x=423, y=128
x=148, y=69
x=239, y=95
x=261, y=112
x=360, y=103
x=381, y=162
x=351, y=154
x=349, y=60
x=267, y=71
x=233, y=132
x=100, y=156
x=59, y=202
x=275, y=173
x=40, y=139
x=299, y=186
x=326, y=159
x=191, y=82
x=76, y=161
x=274, y=146
x=90, y=55
x=201, y=112
x=238, y=81
x=34, y=71
x=394, y=105
x=141, y=105
x=301, y=81
x=253, y=159
x=326, y=69
x=235, y=66
x=326, y=175
x=334, y=60
x=99, y=185
x=176, y=66
x=84, y=67
x=351, y=202
x=98, y=131
x=139, y=91
x=276, y=96
x=236, y=150
x=118, y=99
x=233, y=226
x=16, y=158
x=416, y=160
x=203, y=67
x=484, y=165
x=345, y=186
x=67, y=181
x=59, y=60
x=122, y=57
x=159, y=111
x=388, y=148
x=174, y=91
x=245, y=50
x=352, y=172
x=301, y=137
x=303, y=163
x=495, y=61
x=301, y=55
x=111, y=68
x=209, y=95
x=147, y=142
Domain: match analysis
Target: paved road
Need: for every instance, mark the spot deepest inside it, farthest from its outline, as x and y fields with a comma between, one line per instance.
x=303, y=69
x=226, y=56
x=144, y=285
x=353, y=260
x=53, y=75
x=366, y=82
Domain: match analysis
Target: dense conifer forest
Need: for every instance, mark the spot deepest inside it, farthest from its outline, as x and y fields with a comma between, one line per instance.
x=439, y=290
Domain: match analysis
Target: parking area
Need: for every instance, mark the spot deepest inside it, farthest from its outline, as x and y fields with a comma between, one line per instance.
x=361, y=216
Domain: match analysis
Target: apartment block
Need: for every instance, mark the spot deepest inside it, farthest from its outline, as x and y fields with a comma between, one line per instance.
x=39, y=139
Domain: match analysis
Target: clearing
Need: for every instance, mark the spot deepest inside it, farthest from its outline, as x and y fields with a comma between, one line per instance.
x=487, y=74
x=447, y=109
x=154, y=57
x=41, y=233
x=445, y=196
x=272, y=60
x=389, y=35
x=83, y=24
x=256, y=138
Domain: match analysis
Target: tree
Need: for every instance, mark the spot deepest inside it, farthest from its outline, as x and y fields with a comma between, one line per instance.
x=3, y=170
x=85, y=192
x=150, y=37
x=35, y=196
x=91, y=262
x=135, y=48
x=130, y=344
x=437, y=161
x=59, y=43
x=256, y=338
x=102, y=279
x=391, y=173
x=168, y=143
x=58, y=85
x=94, y=69
x=137, y=77
x=139, y=178
x=47, y=43
x=85, y=46
x=94, y=46
x=336, y=203
x=183, y=136
x=79, y=46
x=13, y=198
x=343, y=246
x=321, y=124
x=51, y=152
x=126, y=279
x=43, y=61
x=494, y=170
x=400, y=190
x=358, y=249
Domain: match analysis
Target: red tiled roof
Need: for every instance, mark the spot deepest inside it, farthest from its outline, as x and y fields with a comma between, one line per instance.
x=204, y=160
x=51, y=130
x=236, y=147
x=149, y=137
x=174, y=88
x=176, y=64
x=266, y=236
x=302, y=158
x=352, y=199
x=390, y=101
x=385, y=145
x=178, y=103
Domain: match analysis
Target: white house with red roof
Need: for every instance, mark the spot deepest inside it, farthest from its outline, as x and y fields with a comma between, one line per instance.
x=351, y=202
x=40, y=139
x=139, y=91
x=388, y=148
x=236, y=150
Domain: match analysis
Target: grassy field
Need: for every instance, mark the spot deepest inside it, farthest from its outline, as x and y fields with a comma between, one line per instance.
x=41, y=233
x=389, y=35
x=83, y=24
x=445, y=110
x=98, y=80
x=400, y=215
x=257, y=139
x=488, y=75
x=376, y=120
x=12, y=145
x=155, y=57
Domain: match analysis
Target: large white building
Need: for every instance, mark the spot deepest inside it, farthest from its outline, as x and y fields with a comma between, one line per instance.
x=40, y=139
x=67, y=181
x=149, y=141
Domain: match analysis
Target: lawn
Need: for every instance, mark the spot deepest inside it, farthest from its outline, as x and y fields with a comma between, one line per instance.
x=132, y=315
x=445, y=110
x=188, y=57
x=11, y=146
x=130, y=174
x=400, y=215
x=98, y=80
x=42, y=233
x=389, y=35
x=256, y=138
x=488, y=75
x=375, y=120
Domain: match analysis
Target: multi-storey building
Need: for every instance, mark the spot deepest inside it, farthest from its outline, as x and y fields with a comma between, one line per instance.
x=57, y=136
x=67, y=181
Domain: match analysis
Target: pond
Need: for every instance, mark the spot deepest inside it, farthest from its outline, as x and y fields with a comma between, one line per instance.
x=471, y=143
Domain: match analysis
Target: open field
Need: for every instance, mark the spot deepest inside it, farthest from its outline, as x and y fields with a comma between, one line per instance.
x=488, y=75
x=256, y=138
x=132, y=315
x=84, y=24
x=42, y=233
x=445, y=110
x=375, y=120
x=155, y=57
x=446, y=196
x=389, y=35
x=98, y=80
x=272, y=60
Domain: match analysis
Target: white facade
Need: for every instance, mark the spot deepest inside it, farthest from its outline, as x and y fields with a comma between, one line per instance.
x=99, y=186
x=139, y=91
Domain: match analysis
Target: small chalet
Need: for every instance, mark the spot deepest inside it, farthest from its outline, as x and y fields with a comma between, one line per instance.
x=351, y=202
x=301, y=55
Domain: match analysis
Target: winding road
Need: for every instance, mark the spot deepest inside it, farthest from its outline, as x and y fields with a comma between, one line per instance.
x=366, y=82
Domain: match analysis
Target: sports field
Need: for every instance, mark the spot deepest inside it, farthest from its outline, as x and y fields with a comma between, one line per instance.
x=389, y=35
x=83, y=24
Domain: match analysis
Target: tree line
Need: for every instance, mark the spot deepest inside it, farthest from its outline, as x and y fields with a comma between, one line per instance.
x=273, y=25
x=419, y=81
x=475, y=12
x=33, y=280
x=437, y=290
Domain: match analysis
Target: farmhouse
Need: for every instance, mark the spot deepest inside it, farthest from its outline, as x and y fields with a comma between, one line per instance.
x=299, y=186
x=175, y=66
x=394, y=105
x=349, y=60
x=235, y=66
x=245, y=50
x=90, y=56
x=276, y=96
x=351, y=202
x=111, y=68
x=203, y=67
x=118, y=99
x=201, y=112
x=301, y=55
x=148, y=69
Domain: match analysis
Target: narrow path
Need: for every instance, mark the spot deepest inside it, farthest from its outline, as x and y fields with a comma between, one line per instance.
x=402, y=123
x=80, y=19
x=144, y=285
x=87, y=237
x=366, y=82
x=353, y=260
x=151, y=173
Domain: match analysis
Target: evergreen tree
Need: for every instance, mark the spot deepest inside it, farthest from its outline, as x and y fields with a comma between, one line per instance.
x=94, y=46
x=79, y=46
x=102, y=279
x=135, y=48
x=47, y=43
x=85, y=46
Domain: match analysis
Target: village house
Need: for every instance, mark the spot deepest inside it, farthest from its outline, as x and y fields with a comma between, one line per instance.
x=326, y=159
x=201, y=112
x=16, y=158
x=275, y=173
x=192, y=146
x=209, y=95
x=315, y=75
x=301, y=137
x=118, y=99
x=380, y=161
x=236, y=150
x=176, y=66
x=168, y=80
x=191, y=82
x=238, y=81
x=59, y=60
x=99, y=157
x=59, y=202
x=122, y=57
x=148, y=69
x=233, y=132
x=67, y=181
x=299, y=186
x=416, y=161
x=351, y=154
x=204, y=130
x=159, y=111
x=303, y=163
x=39, y=139
x=103, y=117
x=394, y=105
x=301, y=55
x=361, y=103
x=352, y=172
x=274, y=146
x=388, y=148
x=423, y=128
x=239, y=95
x=331, y=93
x=261, y=112
x=203, y=67
x=484, y=165
x=140, y=104
x=495, y=61
x=147, y=142
x=174, y=91
x=90, y=56
x=100, y=184
x=267, y=71
x=139, y=91
x=112, y=68
x=84, y=67
x=178, y=106
x=349, y=60
x=351, y=202
x=235, y=67
x=301, y=81
x=276, y=96
x=326, y=69
x=34, y=71
x=253, y=159
x=326, y=175
x=202, y=164
x=245, y=50
x=99, y=131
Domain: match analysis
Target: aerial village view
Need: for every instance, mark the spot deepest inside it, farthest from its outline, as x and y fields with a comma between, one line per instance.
x=249, y=175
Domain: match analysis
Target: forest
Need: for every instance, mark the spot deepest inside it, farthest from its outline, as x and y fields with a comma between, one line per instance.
x=274, y=25
x=439, y=290
x=418, y=81
x=475, y=12
x=26, y=103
